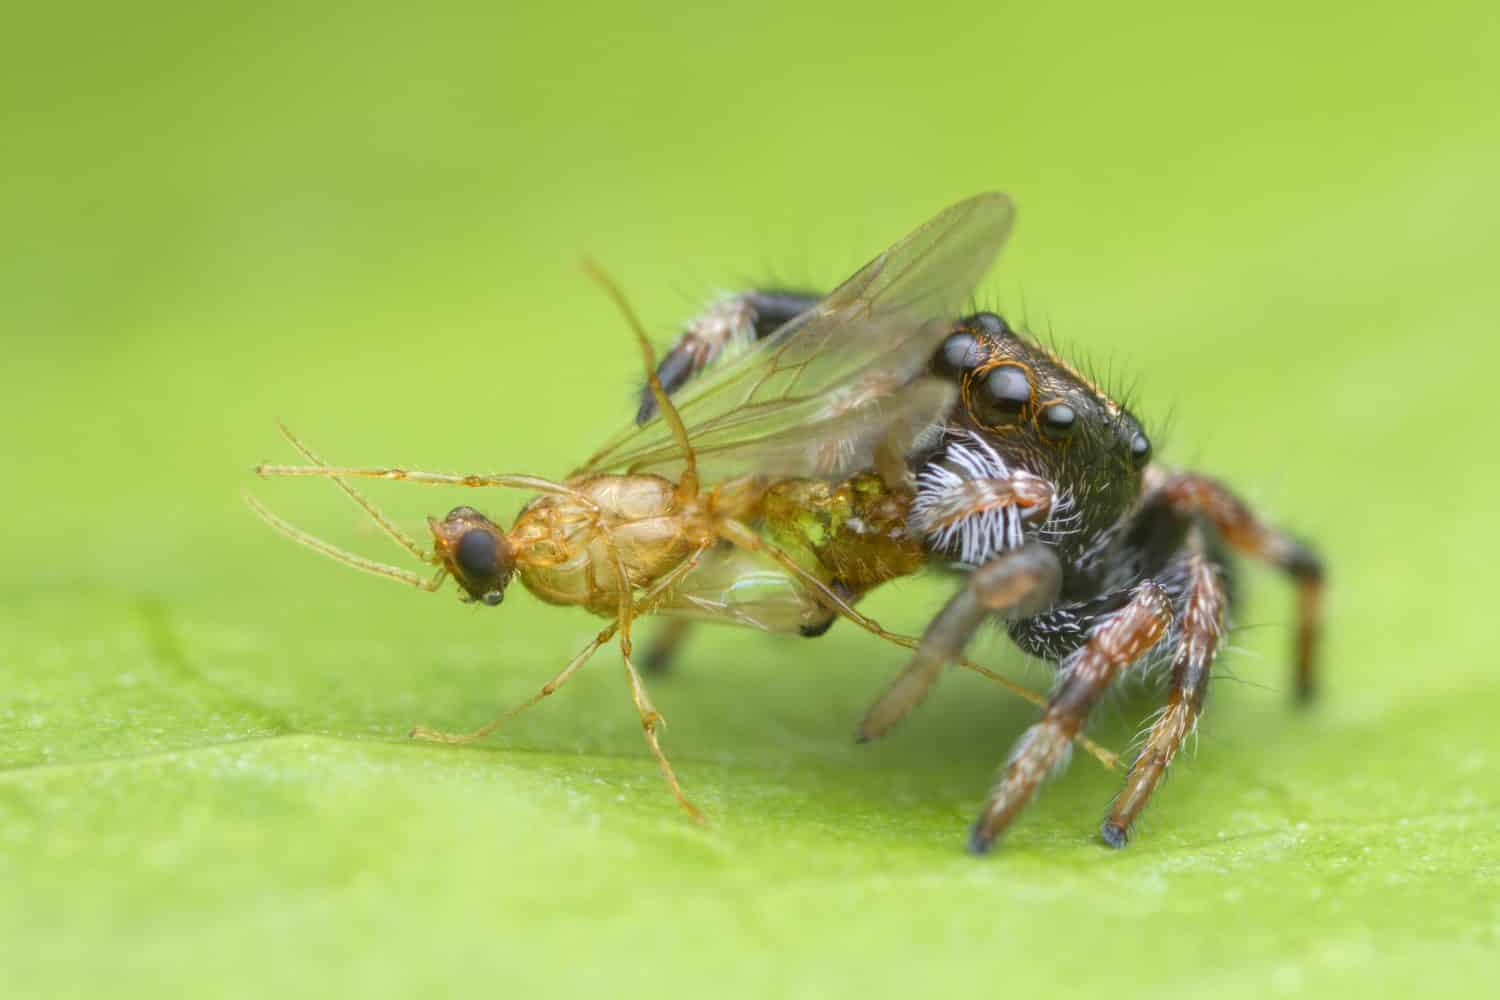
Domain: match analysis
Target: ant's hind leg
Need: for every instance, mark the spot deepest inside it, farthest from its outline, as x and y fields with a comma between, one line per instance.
x=651, y=720
x=1014, y=585
x=1200, y=624
x=563, y=676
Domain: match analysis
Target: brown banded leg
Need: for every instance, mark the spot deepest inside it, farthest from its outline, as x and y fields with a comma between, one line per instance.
x=1121, y=639
x=1200, y=624
x=1190, y=494
x=1015, y=585
x=737, y=318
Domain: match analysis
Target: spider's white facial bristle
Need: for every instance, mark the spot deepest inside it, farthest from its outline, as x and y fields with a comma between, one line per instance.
x=965, y=504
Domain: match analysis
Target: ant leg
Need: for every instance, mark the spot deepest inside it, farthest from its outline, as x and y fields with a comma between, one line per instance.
x=423, y=733
x=746, y=538
x=651, y=719
x=664, y=645
x=1121, y=639
x=666, y=581
x=347, y=558
x=687, y=479
x=400, y=537
x=533, y=483
x=1188, y=494
x=1017, y=584
x=1199, y=627
x=734, y=319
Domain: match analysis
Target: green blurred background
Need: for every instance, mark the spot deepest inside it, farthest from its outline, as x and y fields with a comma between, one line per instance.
x=1279, y=225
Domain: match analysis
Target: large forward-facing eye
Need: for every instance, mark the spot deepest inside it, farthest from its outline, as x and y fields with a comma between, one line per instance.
x=991, y=324
x=959, y=353
x=1003, y=392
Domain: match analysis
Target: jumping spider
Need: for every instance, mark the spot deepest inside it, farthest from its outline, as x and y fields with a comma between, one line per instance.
x=1042, y=489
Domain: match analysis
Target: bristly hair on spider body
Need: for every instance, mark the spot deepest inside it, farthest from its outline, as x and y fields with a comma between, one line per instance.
x=1039, y=486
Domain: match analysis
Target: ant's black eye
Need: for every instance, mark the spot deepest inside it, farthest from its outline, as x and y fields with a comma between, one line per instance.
x=1004, y=392
x=1058, y=420
x=991, y=324
x=1140, y=448
x=476, y=556
x=957, y=354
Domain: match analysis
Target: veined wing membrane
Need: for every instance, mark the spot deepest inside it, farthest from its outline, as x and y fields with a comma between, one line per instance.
x=841, y=374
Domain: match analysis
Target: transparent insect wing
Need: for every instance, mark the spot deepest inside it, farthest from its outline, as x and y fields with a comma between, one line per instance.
x=838, y=379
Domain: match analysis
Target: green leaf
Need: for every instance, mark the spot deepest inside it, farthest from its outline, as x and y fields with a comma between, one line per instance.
x=366, y=225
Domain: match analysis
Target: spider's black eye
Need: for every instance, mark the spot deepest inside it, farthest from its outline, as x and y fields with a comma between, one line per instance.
x=1140, y=448
x=991, y=324
x=1058, y=420
x=1002, y=394
x=476, y=556
x=957, y=354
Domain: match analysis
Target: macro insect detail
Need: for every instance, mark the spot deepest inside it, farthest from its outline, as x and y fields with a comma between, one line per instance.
x=856, y=438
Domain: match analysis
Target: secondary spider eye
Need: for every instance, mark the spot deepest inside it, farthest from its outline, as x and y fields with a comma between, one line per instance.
x=957, y=354
x=475, y=555
x=991, y=324
x=1004, y=392
x=1058, y=420
x=1140, y=448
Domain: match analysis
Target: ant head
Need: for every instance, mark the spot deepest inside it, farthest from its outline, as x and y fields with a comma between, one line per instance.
x=476, y=552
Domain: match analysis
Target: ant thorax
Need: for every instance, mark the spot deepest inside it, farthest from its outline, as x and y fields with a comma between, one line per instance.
x=571, y=549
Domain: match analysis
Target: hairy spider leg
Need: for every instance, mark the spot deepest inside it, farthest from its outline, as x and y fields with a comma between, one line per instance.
x=1188, y=494
x=687, y=481
x=755, y=314
x=743, y=536
x=1115, y=643
x=1200, y=625
x=341, y=555
x=1016, y=584
x=665, y=643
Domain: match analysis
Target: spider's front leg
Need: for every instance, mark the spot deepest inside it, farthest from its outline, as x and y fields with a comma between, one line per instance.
x=1116, y=642
x=1186, y=496
x=1016, y=584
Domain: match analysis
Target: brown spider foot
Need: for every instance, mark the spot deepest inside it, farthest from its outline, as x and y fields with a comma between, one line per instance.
x=980, y=842
x=1114, y=834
